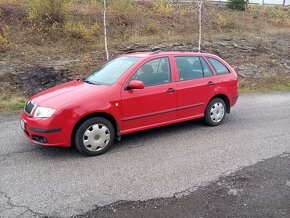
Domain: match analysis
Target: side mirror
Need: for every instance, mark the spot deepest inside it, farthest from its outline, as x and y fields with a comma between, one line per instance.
x=135, y=84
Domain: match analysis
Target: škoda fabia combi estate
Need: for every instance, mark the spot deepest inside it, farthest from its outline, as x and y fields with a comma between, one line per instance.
x=130, y=93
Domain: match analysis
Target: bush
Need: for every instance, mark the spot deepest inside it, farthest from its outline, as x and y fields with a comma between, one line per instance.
x=228, y=21
x=4, y=36
x=151, y=28
x=161, y=6
x=79, y=30
x=44, y=14
x=120, y=5
x=240, y=5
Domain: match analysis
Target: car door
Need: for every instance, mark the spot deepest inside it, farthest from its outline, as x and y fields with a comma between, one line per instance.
x=195, y=86
x=153, y=105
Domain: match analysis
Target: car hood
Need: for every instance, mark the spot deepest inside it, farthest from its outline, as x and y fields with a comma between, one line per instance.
x=60, y=95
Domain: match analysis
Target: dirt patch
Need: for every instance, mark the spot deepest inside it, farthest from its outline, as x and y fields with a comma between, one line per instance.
x=36, y=79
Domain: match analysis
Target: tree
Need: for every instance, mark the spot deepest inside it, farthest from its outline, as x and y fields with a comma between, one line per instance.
x=199, y=23
x=105, y=30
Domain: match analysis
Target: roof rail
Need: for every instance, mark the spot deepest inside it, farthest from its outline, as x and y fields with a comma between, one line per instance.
x=133, y=51
x=156, y=51
x=178, y=50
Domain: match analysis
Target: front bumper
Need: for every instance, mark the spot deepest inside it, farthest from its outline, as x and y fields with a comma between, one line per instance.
x=51, y=131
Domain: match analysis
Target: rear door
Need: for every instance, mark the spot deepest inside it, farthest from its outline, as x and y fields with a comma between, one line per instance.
x=156, y=103
x=195, y=86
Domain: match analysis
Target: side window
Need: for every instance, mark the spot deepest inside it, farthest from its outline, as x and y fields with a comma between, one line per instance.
x=206, y=69
x=219, y=67
x=154, y=72
x=189, y=67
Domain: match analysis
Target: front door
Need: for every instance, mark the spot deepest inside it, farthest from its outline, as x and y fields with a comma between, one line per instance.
x=153, y=105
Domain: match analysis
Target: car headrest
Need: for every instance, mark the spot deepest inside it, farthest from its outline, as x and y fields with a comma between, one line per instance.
x=147, y=68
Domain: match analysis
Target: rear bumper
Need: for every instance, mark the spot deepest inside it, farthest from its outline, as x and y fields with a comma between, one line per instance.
x=51, y=131
x=234, y=100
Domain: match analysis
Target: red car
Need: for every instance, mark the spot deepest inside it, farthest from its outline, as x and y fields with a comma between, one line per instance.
x=130, y=93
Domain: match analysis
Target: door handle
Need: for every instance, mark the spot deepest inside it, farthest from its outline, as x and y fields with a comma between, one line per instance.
x=170, y=90
x=210, y=83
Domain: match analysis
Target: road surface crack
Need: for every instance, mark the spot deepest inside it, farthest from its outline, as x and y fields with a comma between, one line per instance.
x=12, y=205
x=3, y=157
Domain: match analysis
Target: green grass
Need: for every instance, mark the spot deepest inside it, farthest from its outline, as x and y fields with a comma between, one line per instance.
x=11, y=103
x=264, y=85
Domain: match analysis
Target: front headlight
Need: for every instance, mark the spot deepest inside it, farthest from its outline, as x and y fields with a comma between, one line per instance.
x=43, y=112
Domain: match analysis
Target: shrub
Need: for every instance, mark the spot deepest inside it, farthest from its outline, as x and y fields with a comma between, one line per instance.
x=228, y=21
x=4, y=36
x=151, y=28
x=239, y=5
x=44, y=14
x=79, y=30
x=161, y=6
x=120, y=5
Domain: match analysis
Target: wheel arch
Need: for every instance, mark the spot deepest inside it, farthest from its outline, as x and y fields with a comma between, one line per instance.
x=226, y=100
x=98, y=114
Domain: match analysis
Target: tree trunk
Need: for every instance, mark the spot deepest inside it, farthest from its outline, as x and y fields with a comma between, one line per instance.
x=105, y=30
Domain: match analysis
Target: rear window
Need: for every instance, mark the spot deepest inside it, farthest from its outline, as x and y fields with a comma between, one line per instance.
x=219, y=67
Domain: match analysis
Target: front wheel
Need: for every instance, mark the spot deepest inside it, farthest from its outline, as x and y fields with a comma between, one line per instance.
x=215, y=112
x=94, y=136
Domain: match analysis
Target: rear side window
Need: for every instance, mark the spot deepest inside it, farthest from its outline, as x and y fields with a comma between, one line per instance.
x=219, y=67
x=190, y=67
x=206, y=69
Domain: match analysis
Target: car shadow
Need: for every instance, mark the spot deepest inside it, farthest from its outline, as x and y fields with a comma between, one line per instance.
x=130, y=141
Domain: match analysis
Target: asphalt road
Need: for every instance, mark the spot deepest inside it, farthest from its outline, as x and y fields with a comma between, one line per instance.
x=160, y=163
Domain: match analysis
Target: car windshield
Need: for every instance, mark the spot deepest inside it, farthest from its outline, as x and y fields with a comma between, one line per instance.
x=109, y=73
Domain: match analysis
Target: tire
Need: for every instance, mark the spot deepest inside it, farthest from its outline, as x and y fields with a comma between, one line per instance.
x=94, y=136
x=215, y=112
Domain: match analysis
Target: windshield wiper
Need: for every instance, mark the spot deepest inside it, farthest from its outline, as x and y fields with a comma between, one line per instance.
x=90, y=82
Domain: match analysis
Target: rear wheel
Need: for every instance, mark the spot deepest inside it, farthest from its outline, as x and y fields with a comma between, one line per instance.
x=94, y=136
x=215, y=112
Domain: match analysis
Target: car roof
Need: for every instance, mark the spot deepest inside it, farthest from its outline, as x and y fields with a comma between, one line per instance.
x=164, y=53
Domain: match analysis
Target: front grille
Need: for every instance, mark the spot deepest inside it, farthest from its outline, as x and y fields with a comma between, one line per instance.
x=29, y=107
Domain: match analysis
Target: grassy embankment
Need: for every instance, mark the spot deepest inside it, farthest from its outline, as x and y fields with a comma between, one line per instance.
x=35, y=32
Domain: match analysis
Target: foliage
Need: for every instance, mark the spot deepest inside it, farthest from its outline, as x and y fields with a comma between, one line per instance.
x=240, y=5
x=45, y=14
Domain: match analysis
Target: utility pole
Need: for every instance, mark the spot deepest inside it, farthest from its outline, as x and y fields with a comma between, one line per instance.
x=105, y=30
